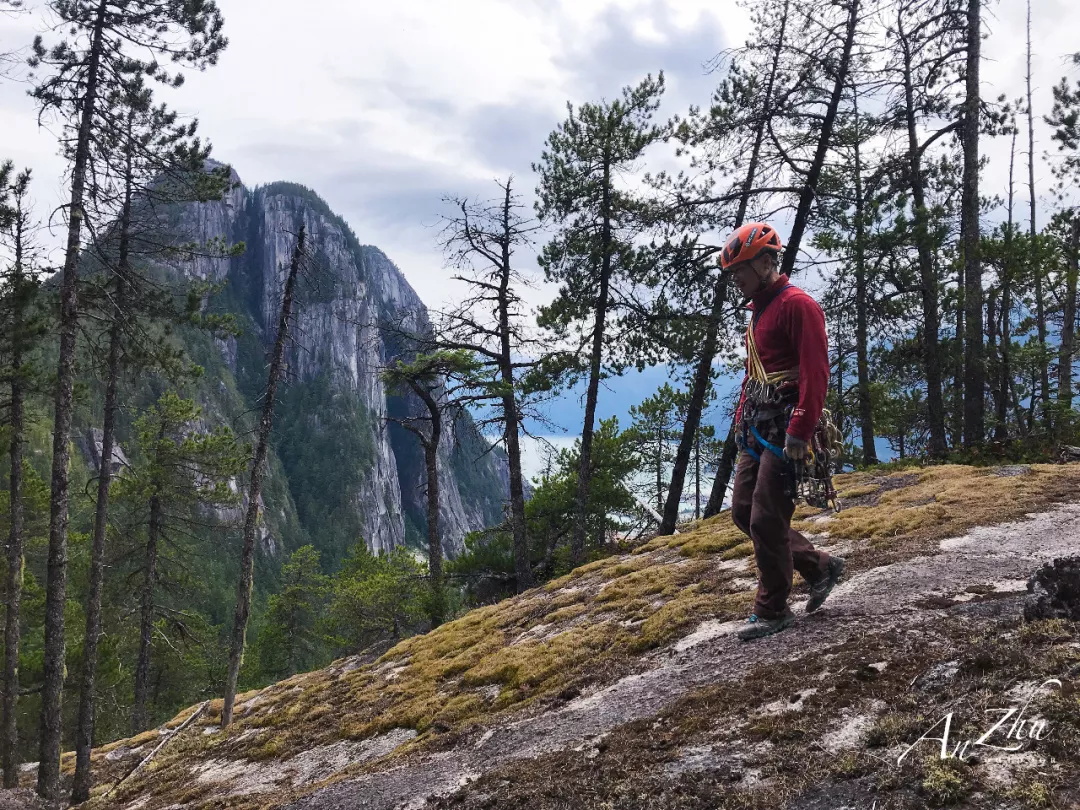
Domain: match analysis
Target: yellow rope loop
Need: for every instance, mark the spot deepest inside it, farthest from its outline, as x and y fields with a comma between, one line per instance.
x=756, y=369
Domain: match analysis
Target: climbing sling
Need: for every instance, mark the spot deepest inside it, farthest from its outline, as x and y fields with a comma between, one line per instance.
x=765, y=392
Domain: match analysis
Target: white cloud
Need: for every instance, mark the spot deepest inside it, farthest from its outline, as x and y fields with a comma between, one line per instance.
x=384, y=107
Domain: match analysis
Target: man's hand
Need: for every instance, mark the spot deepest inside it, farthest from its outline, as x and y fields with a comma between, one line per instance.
x=794, y=448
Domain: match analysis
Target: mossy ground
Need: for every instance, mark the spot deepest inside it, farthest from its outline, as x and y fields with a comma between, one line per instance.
x=762, y=736
x=588, y=628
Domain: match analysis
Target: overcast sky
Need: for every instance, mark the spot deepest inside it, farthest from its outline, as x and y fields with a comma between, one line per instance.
x=384, y=107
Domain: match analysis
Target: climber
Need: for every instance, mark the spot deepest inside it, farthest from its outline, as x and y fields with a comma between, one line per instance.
x=781, y=402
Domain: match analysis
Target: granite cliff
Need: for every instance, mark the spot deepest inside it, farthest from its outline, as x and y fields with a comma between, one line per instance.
x=345, y=470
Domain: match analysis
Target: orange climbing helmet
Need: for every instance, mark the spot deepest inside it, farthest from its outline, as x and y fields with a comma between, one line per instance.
x=748, y=242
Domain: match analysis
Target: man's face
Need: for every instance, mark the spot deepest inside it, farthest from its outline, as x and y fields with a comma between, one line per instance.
x=748, y=275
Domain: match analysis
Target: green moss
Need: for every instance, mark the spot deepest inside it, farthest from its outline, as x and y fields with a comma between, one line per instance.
x=946, y=781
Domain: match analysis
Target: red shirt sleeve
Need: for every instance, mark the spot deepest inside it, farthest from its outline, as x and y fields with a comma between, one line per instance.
x=806, y=329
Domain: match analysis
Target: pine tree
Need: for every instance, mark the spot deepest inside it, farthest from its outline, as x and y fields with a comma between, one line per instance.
x=426, y=377
x=289, y=642
x=1036, y=269
x=105, y=43
x=782, y=95
x=1065, y=119
x=374, y=598
x=23, y=326
x=974, y=351
x=153, y=162
x=593, y=251
x=180, y=471
x=919, y=76
x=481, y=240
x=654, y=428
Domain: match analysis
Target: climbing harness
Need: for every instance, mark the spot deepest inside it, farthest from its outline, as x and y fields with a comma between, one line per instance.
x=811, y=477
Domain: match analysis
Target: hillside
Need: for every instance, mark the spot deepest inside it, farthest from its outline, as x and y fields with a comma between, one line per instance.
x=621, y=685
x=339, y=471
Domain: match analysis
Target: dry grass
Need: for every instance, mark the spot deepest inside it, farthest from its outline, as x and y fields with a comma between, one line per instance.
x=945, y=501
x=586, y=627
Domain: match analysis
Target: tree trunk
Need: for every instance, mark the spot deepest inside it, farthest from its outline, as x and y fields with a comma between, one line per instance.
x=659, y=468
x=577, y=543
x=434, y=543
x=862, y=302
x=723, y=474
x=975, y=359
x=928, y=277
x=431, y=457
x=48, y=781
x=959, y=356
x=251, y=518
x=809, y=189
x=1036, y=271
x=697, y=476
x=703, y=372
x=522, y=563
x=511, y=416
x=1068, y=326
x=146, y=621
x=1004, y=334
x=14, y=579
x=84, y=736
x=992, y=376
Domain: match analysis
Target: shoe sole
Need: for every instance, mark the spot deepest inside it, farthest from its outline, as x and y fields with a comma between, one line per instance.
x=832, y=584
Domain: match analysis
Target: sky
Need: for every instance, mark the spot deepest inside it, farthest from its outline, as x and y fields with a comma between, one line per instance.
x=384, y=108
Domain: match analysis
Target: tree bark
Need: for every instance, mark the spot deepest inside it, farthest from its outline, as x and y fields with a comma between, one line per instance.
x=16, y=512
x=928, y=277
x=48, y=781
x=84, y=735
x=431, y=458
x=251, y=518
x=697, y=476
x=146, y=617
x=862, y=302
x=1036, y=271
x=723, y=474
x=1068, y=326
x=511, y=415
x=809, y=189
x=975, y=359
x=1001, y=415
x=577, y=541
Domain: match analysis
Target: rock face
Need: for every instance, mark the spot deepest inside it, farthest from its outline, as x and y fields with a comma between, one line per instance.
x=1055, y=591
x=350, y=472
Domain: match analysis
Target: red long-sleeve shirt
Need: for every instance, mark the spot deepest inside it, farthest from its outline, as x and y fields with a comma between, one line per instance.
x=791, y=332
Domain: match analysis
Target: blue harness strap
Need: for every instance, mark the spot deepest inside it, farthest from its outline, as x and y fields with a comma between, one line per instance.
x=748, y=448
x=776, y=451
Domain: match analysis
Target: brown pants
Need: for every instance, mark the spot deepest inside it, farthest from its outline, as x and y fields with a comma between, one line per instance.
x=761, y=508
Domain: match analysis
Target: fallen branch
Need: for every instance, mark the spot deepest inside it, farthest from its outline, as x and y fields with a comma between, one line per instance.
x=194, y=716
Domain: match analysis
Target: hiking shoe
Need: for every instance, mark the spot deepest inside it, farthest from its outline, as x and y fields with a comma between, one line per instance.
x=820, y=591
x=765, y=627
